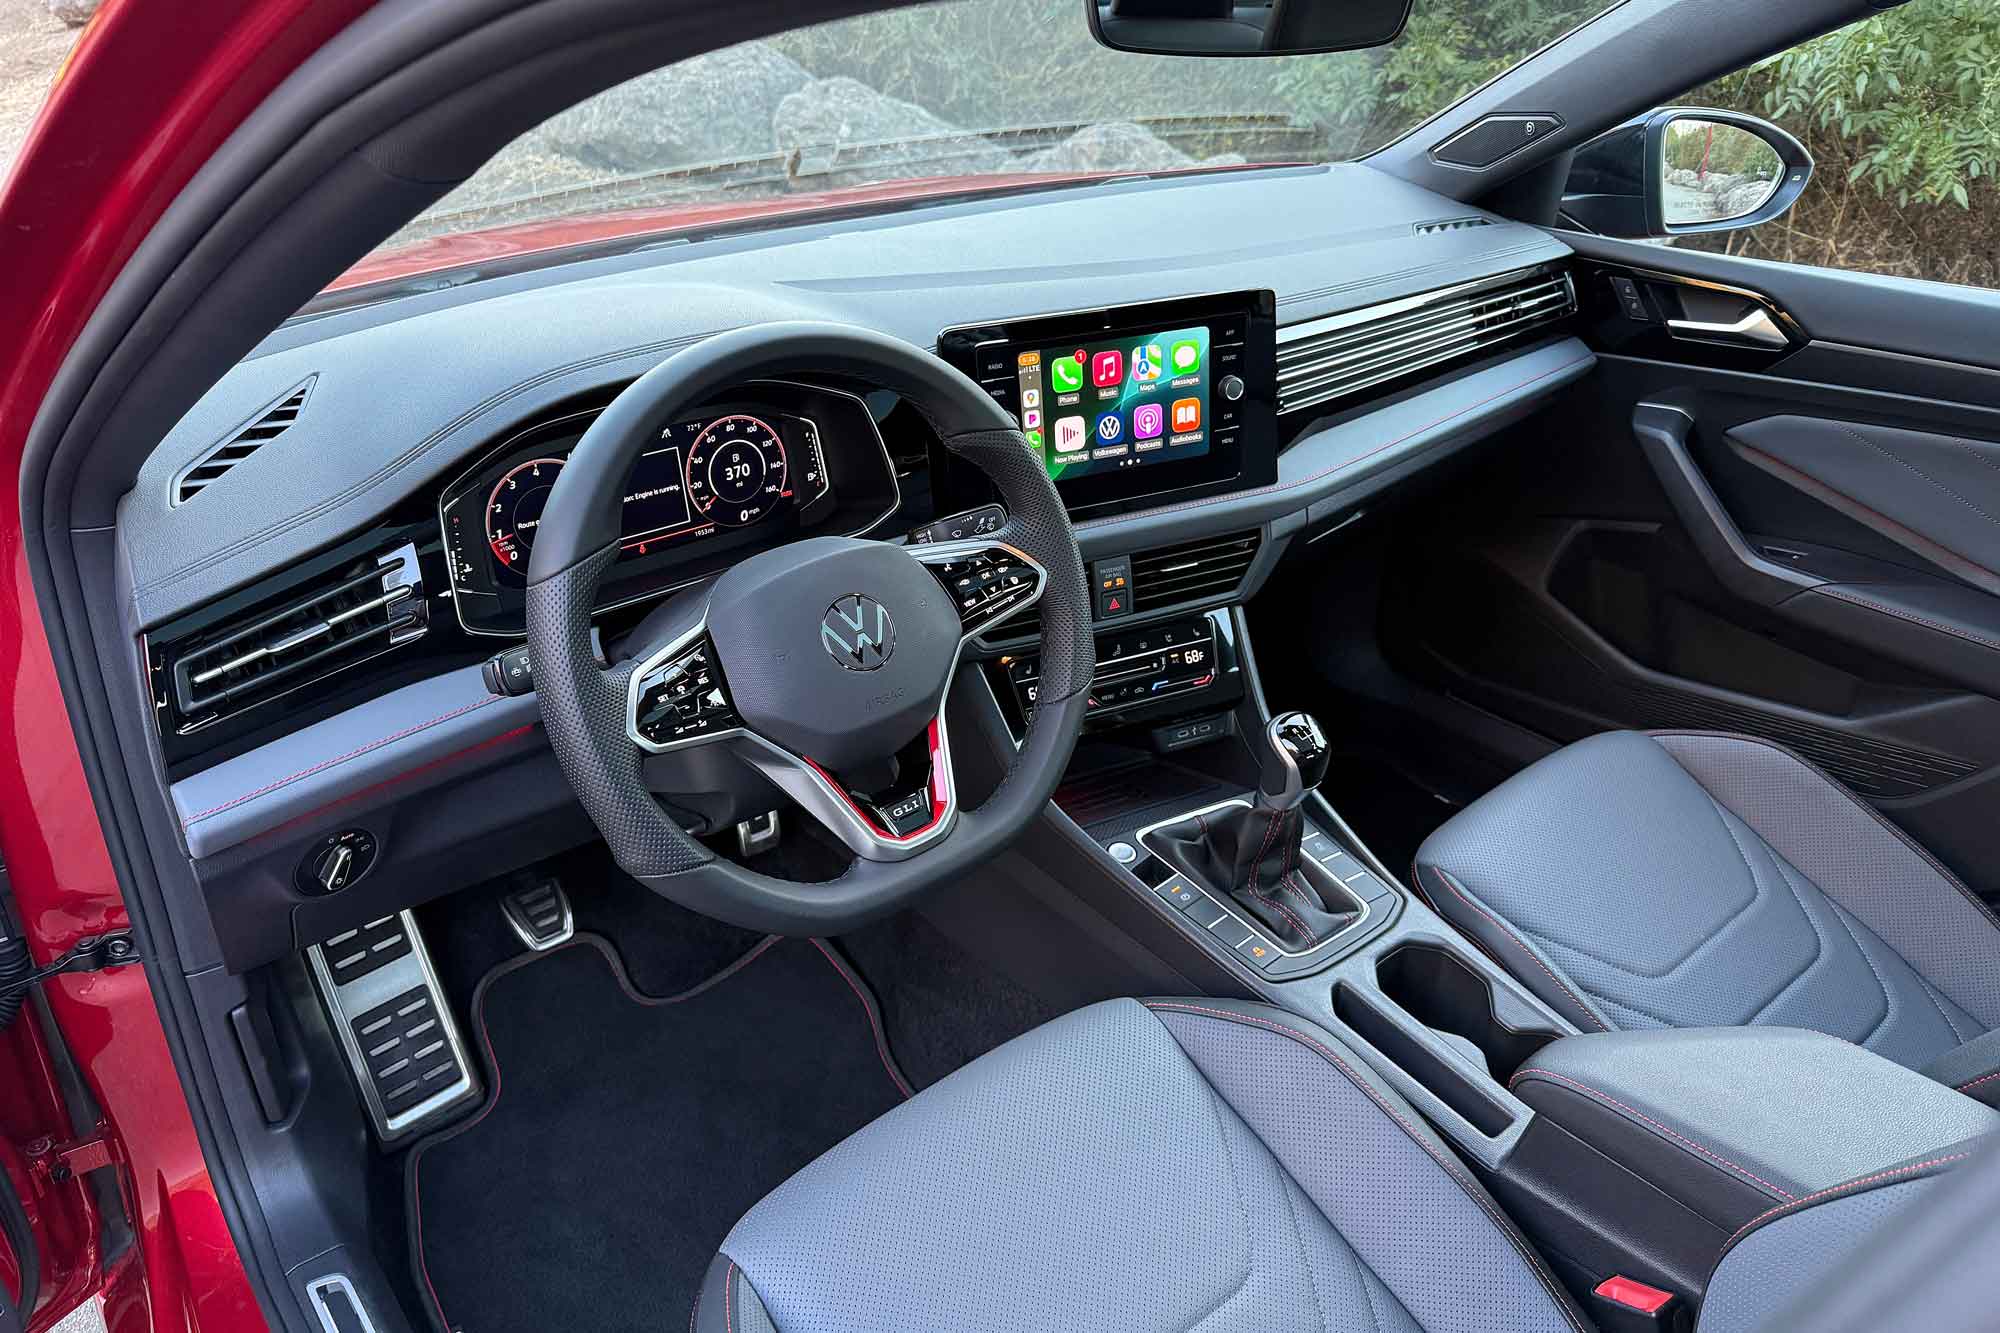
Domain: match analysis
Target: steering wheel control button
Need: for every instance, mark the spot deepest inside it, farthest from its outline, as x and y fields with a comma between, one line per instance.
x=988, y=584
x=981, y=522
x=335, y=861
x=684, y=698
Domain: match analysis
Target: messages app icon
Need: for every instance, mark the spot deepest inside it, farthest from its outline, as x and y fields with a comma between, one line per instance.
x=1185, y=357
x=1066, y=374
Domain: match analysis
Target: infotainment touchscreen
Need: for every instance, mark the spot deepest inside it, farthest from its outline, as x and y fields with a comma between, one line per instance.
x=1103, y=405
x=1131, y=403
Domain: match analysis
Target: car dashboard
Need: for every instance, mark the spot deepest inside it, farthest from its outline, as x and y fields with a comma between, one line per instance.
x=327, y=556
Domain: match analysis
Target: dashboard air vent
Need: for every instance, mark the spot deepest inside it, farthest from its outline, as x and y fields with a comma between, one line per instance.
x=266, y=426
x=352, y=613
x=1193, y=570
x=1324, y=359
x=1436, y=225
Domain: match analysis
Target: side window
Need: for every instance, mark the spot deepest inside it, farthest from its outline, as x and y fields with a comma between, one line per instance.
x=1901, y=113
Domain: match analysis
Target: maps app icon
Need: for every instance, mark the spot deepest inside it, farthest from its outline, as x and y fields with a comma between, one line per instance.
x=1147, y=362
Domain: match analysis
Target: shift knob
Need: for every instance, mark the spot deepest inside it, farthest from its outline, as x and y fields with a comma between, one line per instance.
x=1295, y=760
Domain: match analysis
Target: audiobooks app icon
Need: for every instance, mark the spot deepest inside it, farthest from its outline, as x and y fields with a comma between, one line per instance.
x=1187, y=415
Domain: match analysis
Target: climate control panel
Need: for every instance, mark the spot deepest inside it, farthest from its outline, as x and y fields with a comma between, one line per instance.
x=1145, y=673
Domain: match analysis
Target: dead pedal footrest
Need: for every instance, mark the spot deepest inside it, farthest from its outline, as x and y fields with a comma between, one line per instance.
x=394, y=1024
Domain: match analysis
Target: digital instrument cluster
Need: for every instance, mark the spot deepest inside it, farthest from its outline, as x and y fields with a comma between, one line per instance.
x=749, y=473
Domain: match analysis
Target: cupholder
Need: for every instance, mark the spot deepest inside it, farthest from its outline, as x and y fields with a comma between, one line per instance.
x=1442, y=992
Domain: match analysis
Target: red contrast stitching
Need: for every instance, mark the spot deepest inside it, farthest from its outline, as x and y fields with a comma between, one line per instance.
x=729, y=1299
x=1841, y=1188
x=1670, y=1133
x=1485, y=1205
x=323, y=764
x=1841, y=594
x=874, y=1020
x=1501, y=926
x=1277, y=487
x=1983, y=1078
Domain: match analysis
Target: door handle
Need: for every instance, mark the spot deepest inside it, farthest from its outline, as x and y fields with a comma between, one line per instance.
x=1755, y=329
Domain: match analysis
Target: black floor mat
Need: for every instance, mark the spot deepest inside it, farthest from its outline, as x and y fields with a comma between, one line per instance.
x=625, y=1135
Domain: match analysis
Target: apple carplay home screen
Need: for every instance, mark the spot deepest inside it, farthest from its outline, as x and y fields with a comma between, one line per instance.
x=1122, y=402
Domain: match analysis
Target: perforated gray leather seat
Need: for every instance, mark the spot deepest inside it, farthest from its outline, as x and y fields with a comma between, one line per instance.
x=1705, y=880
x=1187, y=1165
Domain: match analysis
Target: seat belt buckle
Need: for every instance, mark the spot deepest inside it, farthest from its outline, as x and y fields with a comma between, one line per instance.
x=1626, y=1305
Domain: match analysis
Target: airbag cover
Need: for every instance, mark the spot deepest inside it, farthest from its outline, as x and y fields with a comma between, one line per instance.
x=789, y=626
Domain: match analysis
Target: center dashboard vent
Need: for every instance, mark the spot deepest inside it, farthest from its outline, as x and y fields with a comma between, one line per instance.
x=274, y=420
x=1193, y=570
x=354, y=612
x=1322, y=360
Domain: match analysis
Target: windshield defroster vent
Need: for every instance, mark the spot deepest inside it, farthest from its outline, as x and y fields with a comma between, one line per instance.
x=1322, y=360
x=266, y=426
x=357, y=611
x=1192, y=571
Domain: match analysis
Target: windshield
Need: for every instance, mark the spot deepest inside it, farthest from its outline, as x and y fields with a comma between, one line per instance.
x=968, y=94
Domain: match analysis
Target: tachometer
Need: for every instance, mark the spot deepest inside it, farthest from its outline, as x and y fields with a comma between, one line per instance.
x=514, y=511
x=737, y=471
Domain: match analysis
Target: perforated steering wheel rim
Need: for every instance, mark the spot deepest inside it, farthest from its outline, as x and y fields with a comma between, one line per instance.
x=589, y=709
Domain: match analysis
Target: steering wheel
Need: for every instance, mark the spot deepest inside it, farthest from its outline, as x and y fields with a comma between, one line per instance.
x=824, y=663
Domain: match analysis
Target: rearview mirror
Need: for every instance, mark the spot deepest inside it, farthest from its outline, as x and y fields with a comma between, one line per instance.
x=1682, y=170
x=1245, y=27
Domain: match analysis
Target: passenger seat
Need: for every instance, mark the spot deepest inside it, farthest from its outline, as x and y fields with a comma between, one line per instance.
x=1698, y=879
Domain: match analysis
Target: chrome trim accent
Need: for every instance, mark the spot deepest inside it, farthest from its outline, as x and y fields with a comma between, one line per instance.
x=1321, y=360
x=317, y=1289
x=379, y=987
x=526, y=933
x=1756, y=328
x=1228, y=904
x=796, y=776
x=1795, y=331
x=655, y=594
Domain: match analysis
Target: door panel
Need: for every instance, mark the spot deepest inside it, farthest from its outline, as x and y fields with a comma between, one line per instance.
x=1801, y=543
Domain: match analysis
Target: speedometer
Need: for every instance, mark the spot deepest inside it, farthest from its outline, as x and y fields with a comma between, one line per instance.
x=737, y=471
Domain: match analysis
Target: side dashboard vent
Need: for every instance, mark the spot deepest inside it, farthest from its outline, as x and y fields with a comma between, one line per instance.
x=355, y=612
x=1191, y=571
x=266, y=426
x=1437, y=225
x=1326, y=359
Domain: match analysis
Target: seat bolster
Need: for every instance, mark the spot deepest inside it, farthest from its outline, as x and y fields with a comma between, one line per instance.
x=1506, y=946
x=1347, y=1138
x=1856, y=857
x=727, y=1303
x=1782, y=1254
x=1973, y=1069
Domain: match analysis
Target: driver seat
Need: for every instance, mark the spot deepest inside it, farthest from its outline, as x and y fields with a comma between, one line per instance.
x=1179, y=1164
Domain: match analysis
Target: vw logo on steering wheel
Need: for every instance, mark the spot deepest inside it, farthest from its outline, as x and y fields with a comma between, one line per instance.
x=857, y=632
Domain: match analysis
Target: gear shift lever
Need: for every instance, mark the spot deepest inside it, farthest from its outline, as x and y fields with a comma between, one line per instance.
x=1251, y=854
x=1295, y=760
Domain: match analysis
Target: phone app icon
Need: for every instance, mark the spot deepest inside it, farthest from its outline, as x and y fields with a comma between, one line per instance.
x=1035, y=439
x=1066, y=373
x=1110, y=428
x=1032, y=418
x=1107, y=368
x=1149, y=421
x=1148, y=363
x=1187, y=414
x=1031, y=398
x=1070, y=435
x=1185, y=357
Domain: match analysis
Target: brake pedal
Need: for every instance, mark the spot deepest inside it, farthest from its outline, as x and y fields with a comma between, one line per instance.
x=539, y=913
x=394, y=1023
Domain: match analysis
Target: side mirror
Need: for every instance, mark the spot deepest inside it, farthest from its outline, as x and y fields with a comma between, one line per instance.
x=1682, y=170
